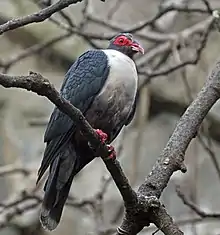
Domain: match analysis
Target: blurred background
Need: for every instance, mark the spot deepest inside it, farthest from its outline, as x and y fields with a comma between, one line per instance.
x=181, y=47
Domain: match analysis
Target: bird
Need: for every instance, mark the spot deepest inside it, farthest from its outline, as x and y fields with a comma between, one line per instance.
x=102, y=84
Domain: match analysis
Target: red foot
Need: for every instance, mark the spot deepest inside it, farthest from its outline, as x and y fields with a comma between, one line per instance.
x=112, y=153
x=102, y=135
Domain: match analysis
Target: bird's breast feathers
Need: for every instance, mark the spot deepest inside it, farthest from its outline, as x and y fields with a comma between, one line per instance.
x=122, y=75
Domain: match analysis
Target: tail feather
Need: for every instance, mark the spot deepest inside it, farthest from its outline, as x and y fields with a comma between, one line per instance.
x=57, y=187
x=68, y=161
x=50, y=218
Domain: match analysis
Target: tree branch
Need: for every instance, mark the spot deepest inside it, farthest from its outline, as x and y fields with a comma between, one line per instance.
x=32, y=50
x=172, y=156
x=37, y=16
x=14, y=169
x=30, y=200
x=194, y=207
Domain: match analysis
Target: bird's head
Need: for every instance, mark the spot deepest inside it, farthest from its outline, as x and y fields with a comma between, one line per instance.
x=125, y=43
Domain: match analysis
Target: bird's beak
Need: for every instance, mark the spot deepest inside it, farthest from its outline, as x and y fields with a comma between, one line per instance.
x=137, y=47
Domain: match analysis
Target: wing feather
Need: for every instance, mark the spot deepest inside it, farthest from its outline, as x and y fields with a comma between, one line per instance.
x=82, y=82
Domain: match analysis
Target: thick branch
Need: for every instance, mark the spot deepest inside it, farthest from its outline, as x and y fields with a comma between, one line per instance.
x=164, y=222
x=172, y=156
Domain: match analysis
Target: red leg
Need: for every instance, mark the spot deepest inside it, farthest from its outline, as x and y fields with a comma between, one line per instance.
x=102, y=135
x=112, y=153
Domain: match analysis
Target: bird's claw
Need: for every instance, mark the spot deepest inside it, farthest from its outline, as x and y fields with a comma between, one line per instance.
x=102, y=135
x=112, y=153
x=103, y=138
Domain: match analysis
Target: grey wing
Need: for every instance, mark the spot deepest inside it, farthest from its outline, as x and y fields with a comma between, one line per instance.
x=82, y=82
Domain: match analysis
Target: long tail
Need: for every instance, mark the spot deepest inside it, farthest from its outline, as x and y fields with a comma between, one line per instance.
x=57, y=187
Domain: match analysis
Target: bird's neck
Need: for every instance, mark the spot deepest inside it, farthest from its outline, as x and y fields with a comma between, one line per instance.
x=123, y=50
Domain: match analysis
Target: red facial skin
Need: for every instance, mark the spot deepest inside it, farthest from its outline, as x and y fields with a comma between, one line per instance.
x=124, y=41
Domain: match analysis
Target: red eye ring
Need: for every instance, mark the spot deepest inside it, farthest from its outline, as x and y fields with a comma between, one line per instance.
x=121, y=41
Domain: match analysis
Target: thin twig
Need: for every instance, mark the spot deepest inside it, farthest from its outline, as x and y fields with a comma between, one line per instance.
x=194, y=207
x=36, y=17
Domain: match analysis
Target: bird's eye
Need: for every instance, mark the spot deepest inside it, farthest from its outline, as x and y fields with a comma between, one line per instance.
x=121, y=40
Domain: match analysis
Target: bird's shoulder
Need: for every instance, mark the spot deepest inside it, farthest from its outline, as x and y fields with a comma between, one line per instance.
x=86, y=69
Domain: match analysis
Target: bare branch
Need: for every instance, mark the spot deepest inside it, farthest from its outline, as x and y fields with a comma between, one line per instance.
x=36, y=17
x=163, y=12
x=14, y=169
x=194, y=207
x=201, y=27
x=32, y=50
x=25, y=201
x=208, y=6
x=172, y=156
x=17, y=206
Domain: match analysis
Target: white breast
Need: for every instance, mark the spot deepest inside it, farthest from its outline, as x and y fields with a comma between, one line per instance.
x=122, y=75
x=114, y=103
